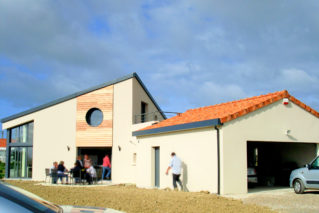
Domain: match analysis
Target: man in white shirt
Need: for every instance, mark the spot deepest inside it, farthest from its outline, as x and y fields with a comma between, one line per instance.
x=175, y=165
x=90, y=174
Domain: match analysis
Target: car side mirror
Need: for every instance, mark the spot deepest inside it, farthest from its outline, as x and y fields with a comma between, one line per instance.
x=307, y=166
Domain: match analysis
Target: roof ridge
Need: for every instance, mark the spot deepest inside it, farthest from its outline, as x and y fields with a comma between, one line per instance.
x=228, y=111
x=239, y=100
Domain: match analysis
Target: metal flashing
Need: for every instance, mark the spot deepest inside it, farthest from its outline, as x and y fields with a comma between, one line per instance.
x=179, y=127
x=74, y=95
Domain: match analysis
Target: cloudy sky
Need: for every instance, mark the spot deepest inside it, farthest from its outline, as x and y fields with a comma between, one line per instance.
x=188, y=53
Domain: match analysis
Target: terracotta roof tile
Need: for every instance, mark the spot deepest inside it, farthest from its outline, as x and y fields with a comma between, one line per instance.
x=3, y=142
x=230, y=110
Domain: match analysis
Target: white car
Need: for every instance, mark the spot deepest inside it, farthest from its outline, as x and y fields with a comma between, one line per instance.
x=306, y=177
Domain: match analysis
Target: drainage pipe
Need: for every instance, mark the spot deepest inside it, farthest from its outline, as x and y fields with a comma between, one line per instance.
x=218, y=161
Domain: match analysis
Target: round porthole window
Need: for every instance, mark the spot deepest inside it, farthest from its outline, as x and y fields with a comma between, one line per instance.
x=94, y=117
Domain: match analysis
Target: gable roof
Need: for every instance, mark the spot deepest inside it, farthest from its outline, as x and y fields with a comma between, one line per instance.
x=220, y=113
x=3, y=143
x=74, y=95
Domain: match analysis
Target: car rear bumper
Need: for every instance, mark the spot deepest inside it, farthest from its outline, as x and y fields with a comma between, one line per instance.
x=252, y=179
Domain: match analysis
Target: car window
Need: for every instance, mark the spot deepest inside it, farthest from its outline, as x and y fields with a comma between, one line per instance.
x=315, y=164
x=24, y=198
x=9, y=206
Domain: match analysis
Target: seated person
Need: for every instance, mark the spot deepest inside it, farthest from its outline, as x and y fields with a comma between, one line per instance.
x=90, y=174
x=61, y=170
x=53, y=172
x=76, y=171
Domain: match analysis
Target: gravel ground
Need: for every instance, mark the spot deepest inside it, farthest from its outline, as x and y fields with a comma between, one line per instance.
x=128, y=198
x=283, y=200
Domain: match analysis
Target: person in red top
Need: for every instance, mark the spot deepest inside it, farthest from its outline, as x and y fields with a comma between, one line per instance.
x=106, y=167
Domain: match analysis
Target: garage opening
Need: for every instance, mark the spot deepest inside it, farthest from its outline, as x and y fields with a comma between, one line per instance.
x=270, y=163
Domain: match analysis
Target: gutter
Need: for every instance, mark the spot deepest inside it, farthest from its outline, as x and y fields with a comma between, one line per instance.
x=218, y=161
x=178, y=127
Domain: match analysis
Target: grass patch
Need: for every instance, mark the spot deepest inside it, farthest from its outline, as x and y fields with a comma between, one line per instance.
x=2, y=169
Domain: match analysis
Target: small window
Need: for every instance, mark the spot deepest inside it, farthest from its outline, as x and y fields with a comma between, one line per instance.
x=134, y=159
x=94, y=117
x=143, y=112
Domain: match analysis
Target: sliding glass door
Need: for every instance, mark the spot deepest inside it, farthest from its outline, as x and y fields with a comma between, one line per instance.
x=20, y=162
x=20, y=151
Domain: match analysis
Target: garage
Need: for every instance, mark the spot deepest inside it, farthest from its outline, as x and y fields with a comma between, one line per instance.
x=221, y=144
x=274, y=161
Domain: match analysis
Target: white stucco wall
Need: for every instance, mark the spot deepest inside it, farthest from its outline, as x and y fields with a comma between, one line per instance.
x=266, y=124
x=127, y=99
x=196, y=148
x=54, y=130
x=122, y=170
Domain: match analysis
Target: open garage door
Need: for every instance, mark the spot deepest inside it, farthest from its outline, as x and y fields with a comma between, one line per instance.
x=273, y=161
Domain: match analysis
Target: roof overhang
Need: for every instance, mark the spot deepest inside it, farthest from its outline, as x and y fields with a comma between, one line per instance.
x=179, y=127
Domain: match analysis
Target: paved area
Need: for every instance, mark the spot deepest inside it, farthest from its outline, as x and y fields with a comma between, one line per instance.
x=281, y=199
x=99, y=183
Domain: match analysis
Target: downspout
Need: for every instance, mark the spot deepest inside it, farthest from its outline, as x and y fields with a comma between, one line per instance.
x=218, y=161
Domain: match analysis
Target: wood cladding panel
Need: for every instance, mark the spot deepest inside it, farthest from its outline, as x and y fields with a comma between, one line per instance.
x=102, y=135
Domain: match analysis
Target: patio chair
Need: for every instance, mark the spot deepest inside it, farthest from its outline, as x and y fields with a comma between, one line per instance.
x=54, y=175
x=75, y=176
x=82, y=176
x=95, y=180
x=47, y=174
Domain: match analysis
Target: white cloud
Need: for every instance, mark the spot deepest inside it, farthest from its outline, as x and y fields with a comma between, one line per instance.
x=297, y=78
x=189, y=53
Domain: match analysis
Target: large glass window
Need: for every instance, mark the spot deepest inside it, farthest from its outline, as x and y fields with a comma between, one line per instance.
x=14, y=135
x=20, y=151
x=22, y=134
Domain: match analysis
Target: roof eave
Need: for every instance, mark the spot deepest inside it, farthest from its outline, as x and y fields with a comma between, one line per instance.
x=149, y=94
x=69, y=97
x=179, y=127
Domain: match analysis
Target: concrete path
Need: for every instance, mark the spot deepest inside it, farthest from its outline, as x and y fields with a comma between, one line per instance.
x=281, y=199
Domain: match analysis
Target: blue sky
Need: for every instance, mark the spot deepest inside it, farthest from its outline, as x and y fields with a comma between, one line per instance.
x=188, y=53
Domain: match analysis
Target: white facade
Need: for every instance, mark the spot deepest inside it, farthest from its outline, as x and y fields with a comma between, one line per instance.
x=54, y=131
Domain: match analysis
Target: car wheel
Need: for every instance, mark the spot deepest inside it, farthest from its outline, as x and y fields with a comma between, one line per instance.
x=299, y=187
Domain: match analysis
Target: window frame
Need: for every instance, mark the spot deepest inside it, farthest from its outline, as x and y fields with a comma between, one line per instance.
x=29, y=134
x=313, y=162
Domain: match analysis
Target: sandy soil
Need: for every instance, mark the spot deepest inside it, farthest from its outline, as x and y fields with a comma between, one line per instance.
x=131, y=199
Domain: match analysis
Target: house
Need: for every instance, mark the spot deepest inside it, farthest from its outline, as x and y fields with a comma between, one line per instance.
x=3, y=150
x=96, y=121
x=274, y=133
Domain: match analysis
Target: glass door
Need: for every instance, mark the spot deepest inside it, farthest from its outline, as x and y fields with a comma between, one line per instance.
x=20, y=162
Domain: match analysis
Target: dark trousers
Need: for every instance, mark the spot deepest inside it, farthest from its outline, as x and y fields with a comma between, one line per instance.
x=176, y=179
x=89, y=178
